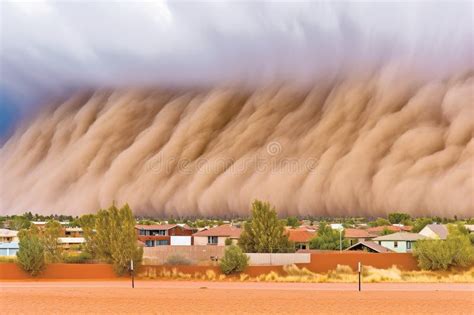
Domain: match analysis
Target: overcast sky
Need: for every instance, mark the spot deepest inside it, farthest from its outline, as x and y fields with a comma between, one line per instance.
x=49, y=47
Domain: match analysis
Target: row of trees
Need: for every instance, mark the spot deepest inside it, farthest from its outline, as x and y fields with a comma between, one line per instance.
x=110, y=237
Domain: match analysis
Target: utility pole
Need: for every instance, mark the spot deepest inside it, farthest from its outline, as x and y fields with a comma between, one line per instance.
x=359, y=269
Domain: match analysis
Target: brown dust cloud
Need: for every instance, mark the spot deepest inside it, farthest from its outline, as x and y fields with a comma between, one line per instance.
x=345, y=147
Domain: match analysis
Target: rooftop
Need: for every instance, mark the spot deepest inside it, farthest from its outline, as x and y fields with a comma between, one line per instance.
x=439, y=229
x=379, y=229
x=300, y=236
x=156, y=226
x=71, y=240
x=222, y=230
x=358, y=233
x=400, y=236
x=8, y=233
x=372, y=245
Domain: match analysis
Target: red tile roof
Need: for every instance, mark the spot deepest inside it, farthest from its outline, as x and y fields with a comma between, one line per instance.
x=393, y=228
x=300, y=236
x=222, y=230
x=358, y=233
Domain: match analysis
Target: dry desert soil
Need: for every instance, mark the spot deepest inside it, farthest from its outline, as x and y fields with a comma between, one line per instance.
x=187, y=297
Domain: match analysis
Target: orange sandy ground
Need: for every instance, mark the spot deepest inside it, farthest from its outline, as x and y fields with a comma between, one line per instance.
x=233, y=298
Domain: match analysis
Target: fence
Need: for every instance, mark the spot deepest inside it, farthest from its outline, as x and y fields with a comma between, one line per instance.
x=278, y=259
x=196, y=254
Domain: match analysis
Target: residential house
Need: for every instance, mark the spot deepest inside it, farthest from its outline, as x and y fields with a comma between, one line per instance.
x=355, y=236
x=71, y=243
x=9, y=249
x=8, y=236
x=164, y=234
x=400, y=242
x=217, y=235
x=377, y=230
x=73, y=232
x=301, y=237
x=435, y=231
x=369, y=246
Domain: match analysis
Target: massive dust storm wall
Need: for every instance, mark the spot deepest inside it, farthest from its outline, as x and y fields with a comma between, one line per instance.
x=346, y=147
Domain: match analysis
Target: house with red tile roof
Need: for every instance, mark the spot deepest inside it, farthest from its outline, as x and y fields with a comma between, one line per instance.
x=163, y=234
x=217, y=235
x=355, y=236
x=301, y=237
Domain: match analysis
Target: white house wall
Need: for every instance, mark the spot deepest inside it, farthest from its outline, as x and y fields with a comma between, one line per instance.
x=180, y=240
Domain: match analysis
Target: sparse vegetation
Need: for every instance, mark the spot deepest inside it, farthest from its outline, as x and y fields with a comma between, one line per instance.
x=455, y=251
x=175, y=260
x=234, y=260
x=30, y=256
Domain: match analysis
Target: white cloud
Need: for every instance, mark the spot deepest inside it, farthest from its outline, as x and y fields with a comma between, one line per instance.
x=48, y=46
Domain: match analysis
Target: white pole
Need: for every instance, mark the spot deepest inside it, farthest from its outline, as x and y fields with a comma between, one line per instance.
x=131, y=264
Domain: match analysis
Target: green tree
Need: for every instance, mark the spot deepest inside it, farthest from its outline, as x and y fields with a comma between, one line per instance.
x=455, y=251
x=234, y=260
x=87, y=223
x=19, y=222
x=264, y=233
x=293, y=222
x=115, y=238
x=52, y=231
x=379, y=222
x=328, y=239
x=30, y=256
x=387, y=231
x=398, y=217
x=420, y=223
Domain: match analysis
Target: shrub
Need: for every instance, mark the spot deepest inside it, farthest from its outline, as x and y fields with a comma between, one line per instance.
x=30, y=256
x=228, y=242
x=234, y=260
x=82, y=258
x=455, y=251
x=175, y=260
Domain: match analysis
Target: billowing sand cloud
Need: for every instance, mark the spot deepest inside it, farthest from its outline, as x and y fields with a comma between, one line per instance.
x=346, y=147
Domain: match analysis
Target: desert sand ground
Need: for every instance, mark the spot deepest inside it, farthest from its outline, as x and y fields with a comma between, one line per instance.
x=178, y=297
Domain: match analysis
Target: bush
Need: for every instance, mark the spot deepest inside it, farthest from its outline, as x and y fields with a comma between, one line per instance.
x=82, y=258
x=175, y=260
x=228, y=242
x=30, y=256
x=455, y=251
x=328, y=239
x=234, y=260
